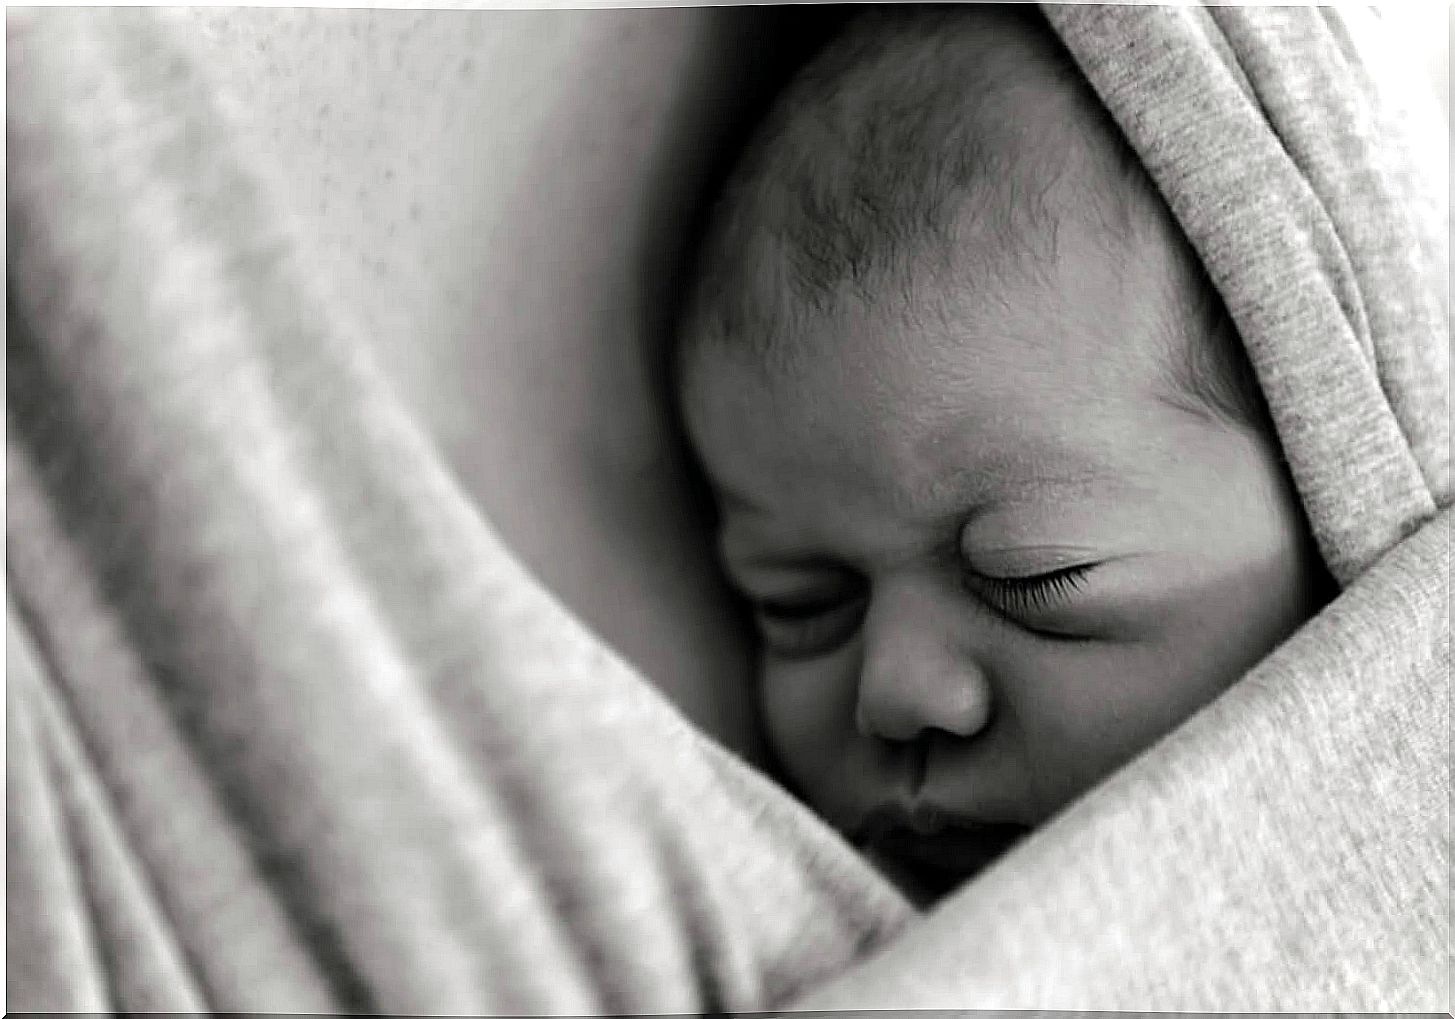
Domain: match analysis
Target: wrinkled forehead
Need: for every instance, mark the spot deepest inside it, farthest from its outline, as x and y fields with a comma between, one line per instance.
x=894, y=392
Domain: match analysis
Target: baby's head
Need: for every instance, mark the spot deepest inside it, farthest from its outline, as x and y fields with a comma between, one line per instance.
x=989, y=464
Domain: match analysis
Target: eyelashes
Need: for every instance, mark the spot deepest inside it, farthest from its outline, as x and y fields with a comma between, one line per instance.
x=1016, y=596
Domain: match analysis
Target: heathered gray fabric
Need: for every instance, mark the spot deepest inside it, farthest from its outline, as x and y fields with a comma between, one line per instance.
x=289, y=729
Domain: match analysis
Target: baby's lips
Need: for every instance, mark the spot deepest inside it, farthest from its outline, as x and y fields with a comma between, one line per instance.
x=922, y=819
x=926, y=819
x=889, y=818
x=876, y=825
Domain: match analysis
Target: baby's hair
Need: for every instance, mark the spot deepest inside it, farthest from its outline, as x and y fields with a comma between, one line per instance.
x=886, y=143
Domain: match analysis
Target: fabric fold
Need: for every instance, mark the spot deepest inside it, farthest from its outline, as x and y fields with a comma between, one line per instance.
x=54, y=964
x=135, y=941
x=323, y=696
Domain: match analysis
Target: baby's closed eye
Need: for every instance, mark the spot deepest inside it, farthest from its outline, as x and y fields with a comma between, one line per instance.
x=810, y=622
x=1029, y=598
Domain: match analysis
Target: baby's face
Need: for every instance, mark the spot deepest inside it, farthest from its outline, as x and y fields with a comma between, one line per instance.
x=989, y=560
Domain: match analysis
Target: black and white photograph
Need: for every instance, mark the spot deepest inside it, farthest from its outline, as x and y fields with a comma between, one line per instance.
x=620, y=509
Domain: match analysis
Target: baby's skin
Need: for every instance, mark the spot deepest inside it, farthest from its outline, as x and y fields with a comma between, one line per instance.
x=991, y=553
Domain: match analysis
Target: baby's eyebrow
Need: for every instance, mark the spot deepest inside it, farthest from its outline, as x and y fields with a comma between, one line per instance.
x=973, y=491
x=946, y=469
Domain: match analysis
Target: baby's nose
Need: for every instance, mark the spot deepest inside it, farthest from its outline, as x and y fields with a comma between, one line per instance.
x=914, y=680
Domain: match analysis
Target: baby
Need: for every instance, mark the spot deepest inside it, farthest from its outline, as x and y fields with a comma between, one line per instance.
x=989, y=465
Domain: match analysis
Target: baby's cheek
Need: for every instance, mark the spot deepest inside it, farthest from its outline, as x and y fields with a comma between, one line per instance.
x=1086, y=709
x=808, y=710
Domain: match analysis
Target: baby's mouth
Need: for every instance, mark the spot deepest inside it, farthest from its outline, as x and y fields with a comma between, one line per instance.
x=934, y=852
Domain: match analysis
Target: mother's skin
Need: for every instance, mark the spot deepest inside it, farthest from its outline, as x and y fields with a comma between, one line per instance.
x=501, y=201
